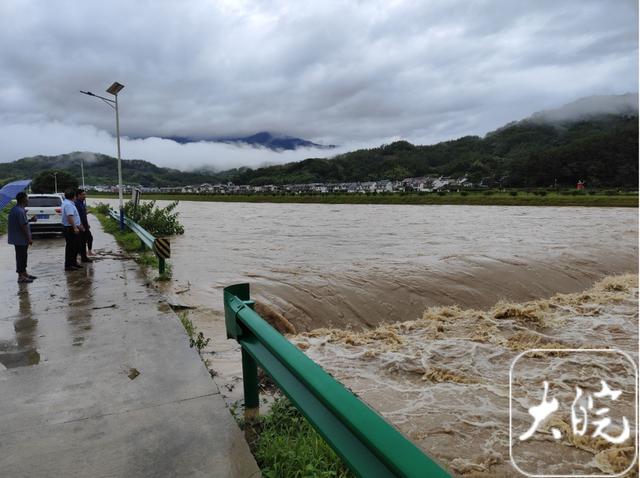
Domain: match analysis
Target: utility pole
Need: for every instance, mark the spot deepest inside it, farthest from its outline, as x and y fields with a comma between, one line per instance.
x=82, y=171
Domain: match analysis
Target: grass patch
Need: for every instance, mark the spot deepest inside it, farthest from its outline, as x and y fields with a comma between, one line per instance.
x=147, y=258
x=286, y=445
x=187, y=324
x=196, y=340
x=130, y=242
x=463, y=198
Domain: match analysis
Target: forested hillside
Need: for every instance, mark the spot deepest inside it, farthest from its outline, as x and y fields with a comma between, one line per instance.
x=603, y=151
x=102, y=169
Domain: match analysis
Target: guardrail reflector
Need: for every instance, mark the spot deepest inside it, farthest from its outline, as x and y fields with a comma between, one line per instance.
x=162, y=247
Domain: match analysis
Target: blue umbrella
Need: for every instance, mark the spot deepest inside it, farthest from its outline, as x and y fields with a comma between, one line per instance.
x=9, y=191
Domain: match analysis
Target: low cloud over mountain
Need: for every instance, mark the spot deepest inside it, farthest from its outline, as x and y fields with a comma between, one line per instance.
x=585, y=108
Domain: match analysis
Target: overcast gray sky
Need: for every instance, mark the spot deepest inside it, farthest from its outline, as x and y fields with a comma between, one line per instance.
x=352, y=73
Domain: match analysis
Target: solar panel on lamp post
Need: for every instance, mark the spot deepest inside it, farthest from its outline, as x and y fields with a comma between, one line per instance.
x=114, y=89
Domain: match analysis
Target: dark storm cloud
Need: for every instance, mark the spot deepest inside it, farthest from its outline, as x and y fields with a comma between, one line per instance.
x=344, y=72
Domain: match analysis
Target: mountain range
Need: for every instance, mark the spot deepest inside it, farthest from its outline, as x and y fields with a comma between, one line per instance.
x=594, y=139
x=265, y=139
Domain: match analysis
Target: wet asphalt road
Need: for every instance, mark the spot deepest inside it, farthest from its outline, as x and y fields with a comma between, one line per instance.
x=97, y=378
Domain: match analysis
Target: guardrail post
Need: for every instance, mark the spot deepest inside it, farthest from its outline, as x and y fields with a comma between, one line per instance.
x=161, y=265
x=250, y=381
x=250, y=384
x=238, y=297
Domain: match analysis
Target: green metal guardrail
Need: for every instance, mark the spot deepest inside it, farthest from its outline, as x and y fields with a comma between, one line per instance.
x=160, y=246
x=369, y=445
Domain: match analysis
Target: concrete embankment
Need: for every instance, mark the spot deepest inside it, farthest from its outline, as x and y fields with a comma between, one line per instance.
x=97, y=377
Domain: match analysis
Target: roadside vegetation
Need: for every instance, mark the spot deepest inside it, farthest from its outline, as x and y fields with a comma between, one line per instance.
x=129, y=241
x=488, y=197
x=159, y=221
x=48, y=180
x=4, y=216
x=285, y=444
x=196, y=339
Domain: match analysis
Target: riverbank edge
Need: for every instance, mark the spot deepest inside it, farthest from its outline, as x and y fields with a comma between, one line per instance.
x=431, y=199
x=277, y=431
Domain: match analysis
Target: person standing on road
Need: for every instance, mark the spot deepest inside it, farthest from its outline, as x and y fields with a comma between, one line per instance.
x=86, y=239
x=72, y=229
x=19, y=234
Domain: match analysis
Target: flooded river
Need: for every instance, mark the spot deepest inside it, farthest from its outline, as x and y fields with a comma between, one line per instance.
x=360, y=265
x=422, y=309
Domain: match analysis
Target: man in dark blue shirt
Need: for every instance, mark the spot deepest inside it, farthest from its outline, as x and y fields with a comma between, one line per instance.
x=72, y=225
x=19, y=234
x=86, y=239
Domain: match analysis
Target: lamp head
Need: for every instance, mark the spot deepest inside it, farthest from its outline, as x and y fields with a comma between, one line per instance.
x=115, y=88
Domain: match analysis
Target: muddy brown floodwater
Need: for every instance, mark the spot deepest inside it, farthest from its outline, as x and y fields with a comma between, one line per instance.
x=350, y=284
x=360, y=265
x=443, y=379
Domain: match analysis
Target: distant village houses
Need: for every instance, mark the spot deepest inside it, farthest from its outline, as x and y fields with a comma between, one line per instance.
x=382, y=186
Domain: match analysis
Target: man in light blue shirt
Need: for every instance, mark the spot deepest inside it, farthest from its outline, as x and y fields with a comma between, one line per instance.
x=72, y=229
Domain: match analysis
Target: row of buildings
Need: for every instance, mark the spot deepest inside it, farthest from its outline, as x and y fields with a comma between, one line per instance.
x=420, y=184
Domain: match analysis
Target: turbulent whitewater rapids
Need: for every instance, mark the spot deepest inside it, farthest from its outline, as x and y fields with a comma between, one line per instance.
x=443, y=379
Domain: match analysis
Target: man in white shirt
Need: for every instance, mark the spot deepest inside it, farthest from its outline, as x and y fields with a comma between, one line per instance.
x=72, y=229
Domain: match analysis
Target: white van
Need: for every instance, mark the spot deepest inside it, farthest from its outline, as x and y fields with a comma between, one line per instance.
x=47, y=208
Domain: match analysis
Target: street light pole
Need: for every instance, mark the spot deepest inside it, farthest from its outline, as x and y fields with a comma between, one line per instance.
x=119, y=164
x=55, y=182
x=82, y=171
x=114, y=89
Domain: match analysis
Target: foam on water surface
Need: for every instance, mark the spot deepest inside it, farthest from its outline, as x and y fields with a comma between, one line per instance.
x=443, y=379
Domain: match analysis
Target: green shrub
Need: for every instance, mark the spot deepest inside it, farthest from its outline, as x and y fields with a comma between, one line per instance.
x=513, y=193
x=464, y=193
x=488, y=193
x=102, y=208
x=158, y=221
